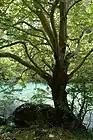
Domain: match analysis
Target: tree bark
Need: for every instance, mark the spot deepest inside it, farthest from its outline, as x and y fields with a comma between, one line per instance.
x=64, y=116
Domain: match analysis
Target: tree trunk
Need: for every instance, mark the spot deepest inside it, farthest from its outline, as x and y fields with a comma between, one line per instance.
x=64, y=116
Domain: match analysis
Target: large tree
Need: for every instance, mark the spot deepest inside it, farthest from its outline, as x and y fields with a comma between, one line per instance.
x=45, y=36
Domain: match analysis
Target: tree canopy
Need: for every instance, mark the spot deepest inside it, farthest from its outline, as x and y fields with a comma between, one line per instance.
x=27, y=29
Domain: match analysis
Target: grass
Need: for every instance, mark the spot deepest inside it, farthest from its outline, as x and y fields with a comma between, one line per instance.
x=38, y=133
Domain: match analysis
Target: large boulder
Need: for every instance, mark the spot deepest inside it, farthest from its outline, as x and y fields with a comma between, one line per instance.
x=30, y=114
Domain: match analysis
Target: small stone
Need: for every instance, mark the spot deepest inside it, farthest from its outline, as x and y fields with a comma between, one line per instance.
x=51, y=136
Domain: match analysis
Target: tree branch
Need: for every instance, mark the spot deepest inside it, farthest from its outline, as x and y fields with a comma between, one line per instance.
x=35, y=54
x=28, y=25
x=28, y=33
x=31, y=60
x=18, y=59
x=71, y=74
x=42, y=37
x=47, y=65
x=48, y=41
x=62, y=30
x=52, y=16
x=77, y=49
x=72, y=6
x=42, y=7
x=46, y=26
x=42, y=73
x=11, y=44
x=25, y=47
x=35, y=35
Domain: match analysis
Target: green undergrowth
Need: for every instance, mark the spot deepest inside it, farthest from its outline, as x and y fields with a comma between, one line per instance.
x=38, y=133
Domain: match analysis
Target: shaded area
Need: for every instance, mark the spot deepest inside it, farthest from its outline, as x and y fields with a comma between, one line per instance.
x=30, y=114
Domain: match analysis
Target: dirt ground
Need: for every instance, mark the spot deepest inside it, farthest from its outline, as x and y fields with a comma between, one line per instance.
x=37, y=133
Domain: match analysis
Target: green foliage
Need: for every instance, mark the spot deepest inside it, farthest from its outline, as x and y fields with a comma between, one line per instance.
x=5, y=129
x=80, y=93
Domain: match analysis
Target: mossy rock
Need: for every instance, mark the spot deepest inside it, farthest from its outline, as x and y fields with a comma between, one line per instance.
x=30, y=114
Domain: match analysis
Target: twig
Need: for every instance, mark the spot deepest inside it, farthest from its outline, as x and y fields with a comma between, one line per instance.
x=71, y=74
x=12, y=44
x=72, y=6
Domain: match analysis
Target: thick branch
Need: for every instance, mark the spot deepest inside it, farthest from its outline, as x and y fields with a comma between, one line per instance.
x=62, y=30
x=71, y=74
x=46, y=25
x=52, y=16
x=42, y=7
x=48, y=41
x=25, y=47
x=72, y=6
x=42, y=74
x=18, y=59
